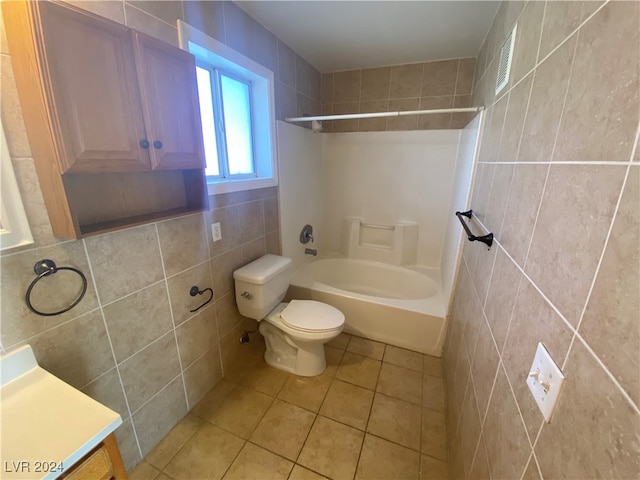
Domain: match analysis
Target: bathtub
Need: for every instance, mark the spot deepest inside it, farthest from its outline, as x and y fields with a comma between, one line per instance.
x=395, y=305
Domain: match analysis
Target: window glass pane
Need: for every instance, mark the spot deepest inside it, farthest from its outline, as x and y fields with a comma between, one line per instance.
x=237, y=122
x=208, y=125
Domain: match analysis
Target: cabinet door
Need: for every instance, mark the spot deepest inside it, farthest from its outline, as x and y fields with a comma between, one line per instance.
x=93, y=96
x=167, y=77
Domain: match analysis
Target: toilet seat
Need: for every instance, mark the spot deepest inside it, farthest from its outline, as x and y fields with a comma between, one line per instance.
x=312, y=316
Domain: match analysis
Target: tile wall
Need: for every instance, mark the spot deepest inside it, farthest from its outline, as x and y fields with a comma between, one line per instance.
x=297, y=82
x=415, y=86
x=132, y=342
x=558, y=184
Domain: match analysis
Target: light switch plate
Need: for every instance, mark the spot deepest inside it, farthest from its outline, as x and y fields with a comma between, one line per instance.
x=545, y=381
x=216, y=231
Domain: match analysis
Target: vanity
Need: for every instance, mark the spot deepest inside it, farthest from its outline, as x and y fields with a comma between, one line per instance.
x=48, y=429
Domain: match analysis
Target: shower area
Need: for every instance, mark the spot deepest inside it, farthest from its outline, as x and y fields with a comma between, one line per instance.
x=382, y=206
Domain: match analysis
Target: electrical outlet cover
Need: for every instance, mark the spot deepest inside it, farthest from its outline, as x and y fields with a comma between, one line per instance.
x=216, y=231
x=545, y=381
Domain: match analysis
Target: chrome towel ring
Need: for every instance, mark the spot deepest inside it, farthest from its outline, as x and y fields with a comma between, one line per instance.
x=44, y=268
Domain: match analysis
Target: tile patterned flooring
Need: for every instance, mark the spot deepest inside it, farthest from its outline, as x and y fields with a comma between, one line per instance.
x=377, y=412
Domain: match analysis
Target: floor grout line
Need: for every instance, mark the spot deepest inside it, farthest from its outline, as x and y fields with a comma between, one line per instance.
x=333, y=378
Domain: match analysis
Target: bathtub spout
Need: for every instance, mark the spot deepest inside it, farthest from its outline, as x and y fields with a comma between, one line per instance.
x=310, y=251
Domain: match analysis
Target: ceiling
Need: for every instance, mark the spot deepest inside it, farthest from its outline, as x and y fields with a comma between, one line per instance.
x=347, y=35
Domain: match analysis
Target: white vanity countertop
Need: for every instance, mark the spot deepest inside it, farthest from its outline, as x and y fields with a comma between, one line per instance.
x=46, y=425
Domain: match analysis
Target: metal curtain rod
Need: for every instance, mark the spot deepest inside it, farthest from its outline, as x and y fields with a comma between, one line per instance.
x=383, y=114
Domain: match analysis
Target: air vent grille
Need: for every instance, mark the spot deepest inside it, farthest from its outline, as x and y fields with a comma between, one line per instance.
x=506, y=55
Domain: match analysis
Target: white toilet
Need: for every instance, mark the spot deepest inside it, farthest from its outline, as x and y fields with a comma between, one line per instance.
x=295, y=332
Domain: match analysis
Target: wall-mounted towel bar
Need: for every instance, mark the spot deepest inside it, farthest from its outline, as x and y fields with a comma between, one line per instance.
x=486, y=239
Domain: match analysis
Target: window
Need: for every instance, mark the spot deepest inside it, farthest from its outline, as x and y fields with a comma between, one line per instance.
x=237, y=113
x=225, y=108
x=14, y=227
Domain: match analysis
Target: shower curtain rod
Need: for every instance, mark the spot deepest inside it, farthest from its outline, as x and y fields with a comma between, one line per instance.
x=383, y=114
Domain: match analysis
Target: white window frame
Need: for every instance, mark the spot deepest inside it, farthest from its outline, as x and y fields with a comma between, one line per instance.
x=221, y=139
x=14, y=226
x=210, y=51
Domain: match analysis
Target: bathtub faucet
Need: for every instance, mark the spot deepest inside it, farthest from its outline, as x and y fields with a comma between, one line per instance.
x=310, y=251
x=306, y=235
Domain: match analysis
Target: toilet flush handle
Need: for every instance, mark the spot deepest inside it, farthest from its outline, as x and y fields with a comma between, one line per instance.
x=246, y=295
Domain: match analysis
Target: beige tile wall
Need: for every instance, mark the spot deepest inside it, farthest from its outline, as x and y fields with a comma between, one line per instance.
x=416, y=86
x=132, y=342
x=558, y=183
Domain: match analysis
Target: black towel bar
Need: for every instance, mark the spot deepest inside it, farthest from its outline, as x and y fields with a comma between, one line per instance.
x=486, y=239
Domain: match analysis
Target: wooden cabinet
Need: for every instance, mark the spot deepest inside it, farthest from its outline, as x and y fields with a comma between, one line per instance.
x=102, y=463
x=93, y=92
x=168, y=86
x=112, y=117
x=123, y=101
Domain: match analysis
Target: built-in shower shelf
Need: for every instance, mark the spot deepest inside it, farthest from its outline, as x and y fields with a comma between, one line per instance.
x=376, y=246
x=396, y=244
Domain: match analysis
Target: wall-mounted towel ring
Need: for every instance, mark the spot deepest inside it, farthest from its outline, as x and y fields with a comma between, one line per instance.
x=195, y=290
x=44, y=268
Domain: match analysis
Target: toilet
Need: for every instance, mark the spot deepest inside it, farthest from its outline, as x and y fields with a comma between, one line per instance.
x=294, y=332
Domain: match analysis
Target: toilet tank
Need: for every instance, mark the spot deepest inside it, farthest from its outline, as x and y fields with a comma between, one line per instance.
x=261, y=285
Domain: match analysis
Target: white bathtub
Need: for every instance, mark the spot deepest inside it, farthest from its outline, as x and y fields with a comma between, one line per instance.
x=399, y=306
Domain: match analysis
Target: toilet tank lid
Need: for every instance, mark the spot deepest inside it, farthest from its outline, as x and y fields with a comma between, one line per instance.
x=263, y=269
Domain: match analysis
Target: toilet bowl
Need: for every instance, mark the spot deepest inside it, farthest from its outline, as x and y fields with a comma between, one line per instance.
x=294, y=332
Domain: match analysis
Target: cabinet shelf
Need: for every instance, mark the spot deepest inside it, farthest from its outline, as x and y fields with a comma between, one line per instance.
x=110, y=226
x=93, y=93
x=111, y=201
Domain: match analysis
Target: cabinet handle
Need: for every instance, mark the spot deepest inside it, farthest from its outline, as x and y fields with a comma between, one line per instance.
x=157, y=144
x=144, y=143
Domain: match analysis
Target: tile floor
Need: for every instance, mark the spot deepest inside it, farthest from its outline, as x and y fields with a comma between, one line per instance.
x=377, y=412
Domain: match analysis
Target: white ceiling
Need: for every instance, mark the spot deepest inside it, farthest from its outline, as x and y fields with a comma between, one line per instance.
x=346, y=35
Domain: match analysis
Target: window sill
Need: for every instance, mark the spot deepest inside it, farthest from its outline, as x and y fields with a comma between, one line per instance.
x=228, y=186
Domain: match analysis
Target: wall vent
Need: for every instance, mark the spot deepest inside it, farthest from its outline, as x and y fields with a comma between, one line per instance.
x=506, y=55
